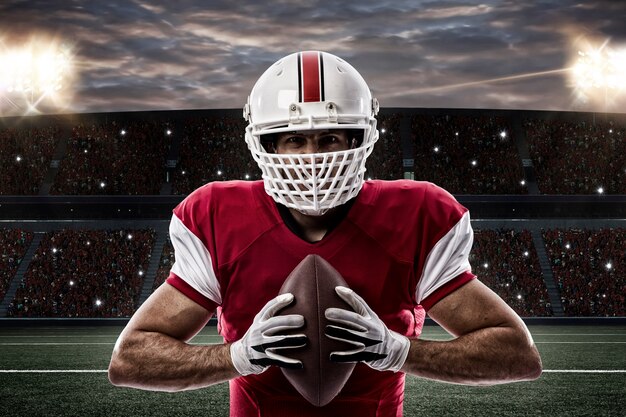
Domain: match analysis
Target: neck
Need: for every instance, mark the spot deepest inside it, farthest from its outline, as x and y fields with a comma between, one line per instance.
x=314, y=228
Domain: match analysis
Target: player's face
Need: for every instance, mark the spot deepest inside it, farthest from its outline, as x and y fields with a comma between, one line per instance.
x=313, y=141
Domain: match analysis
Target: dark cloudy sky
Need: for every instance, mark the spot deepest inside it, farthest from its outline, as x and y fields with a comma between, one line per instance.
x=191, y=54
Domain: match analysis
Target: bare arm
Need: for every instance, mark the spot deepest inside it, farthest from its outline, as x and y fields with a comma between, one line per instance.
x=492, y=344
x=151, y=352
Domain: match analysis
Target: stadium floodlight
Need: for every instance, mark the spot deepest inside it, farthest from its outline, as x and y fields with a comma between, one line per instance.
x=102, y=184
x=503, y=134
x=88, y=243
x=600, y=190
x=184, y=172
x=247, y=176
x=474, y=162
x=568, y=246
x=122, y=132
x=98, y=303
x=169, y=132
x=436, y=149
x=140, y=273
x=85, y=151
x=519, y=296
x=18, y=158
x=383, y=130
x=598, y=73
x=35, y=75
x=54, y=250
x=610, y=130
x=522, y=182
x=608, y=266
x=526, y=254
x=219, y=172
x=485, y=265
x=129, y=236
x=71, y=283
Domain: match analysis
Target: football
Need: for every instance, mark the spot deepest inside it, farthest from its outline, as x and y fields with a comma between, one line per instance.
x=313, y=284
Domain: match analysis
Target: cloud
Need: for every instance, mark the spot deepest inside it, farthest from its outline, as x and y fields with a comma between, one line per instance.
x=140, y=55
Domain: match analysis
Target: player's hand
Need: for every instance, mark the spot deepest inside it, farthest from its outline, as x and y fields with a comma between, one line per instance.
x=374, y=344
x=263, y=344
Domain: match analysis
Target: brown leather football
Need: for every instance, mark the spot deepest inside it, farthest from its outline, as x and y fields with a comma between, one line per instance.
x=313, y=284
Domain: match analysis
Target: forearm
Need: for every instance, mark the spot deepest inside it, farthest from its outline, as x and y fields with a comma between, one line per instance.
x=154, y=361
x=488, y=356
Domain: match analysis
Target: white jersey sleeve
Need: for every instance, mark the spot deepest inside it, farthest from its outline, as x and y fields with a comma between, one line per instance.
x=448, y=258
x=193, y=261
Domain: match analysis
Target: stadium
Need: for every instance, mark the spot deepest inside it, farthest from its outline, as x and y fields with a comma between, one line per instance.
x=86, y=200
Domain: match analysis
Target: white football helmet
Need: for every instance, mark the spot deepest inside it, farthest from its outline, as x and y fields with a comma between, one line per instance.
x=309, y=91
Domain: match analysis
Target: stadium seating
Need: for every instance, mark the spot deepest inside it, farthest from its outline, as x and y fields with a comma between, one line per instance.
x=71, y=270
x=25, y=155
x=467, y=155
x=589, y=267
x=165, y=264
x=13, y=246
x=385, y=162
x=114, y=158
x=85, y=273
x=507, y=262
x=578, y=157
x=213, y=149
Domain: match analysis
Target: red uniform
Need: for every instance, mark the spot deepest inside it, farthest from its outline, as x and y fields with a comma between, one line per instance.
x=402, y=244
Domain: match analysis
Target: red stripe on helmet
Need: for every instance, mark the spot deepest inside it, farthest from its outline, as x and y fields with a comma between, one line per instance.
x=311, y=77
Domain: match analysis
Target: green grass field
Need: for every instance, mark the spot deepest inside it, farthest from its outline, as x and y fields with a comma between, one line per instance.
x=600, y=351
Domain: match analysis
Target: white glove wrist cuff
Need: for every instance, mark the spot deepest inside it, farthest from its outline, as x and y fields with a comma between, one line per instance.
x=239, y=359
x=403, y=351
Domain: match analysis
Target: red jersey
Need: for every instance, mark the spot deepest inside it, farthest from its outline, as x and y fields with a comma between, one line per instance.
x=402, y=245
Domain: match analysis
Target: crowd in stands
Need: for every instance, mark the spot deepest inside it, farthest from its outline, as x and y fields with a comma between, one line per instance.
x=589, y=267
x=114, y=158
x=13, y=246
x=85, y=273
x=213, y=149
x=507, y=262
x=25, y=155
x=463, y=154
x=99, y=273
x=467, y=154
x=385, y=162
x=165, y=264
x=578, y=157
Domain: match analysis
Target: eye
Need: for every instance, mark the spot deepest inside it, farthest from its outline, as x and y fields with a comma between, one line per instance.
x=293, y=140
x=330, y=140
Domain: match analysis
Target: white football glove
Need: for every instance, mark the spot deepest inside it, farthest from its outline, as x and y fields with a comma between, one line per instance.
x=259, y=347
x=380, y=348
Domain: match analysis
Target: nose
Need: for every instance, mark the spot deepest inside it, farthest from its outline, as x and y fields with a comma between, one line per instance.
x=312, y=146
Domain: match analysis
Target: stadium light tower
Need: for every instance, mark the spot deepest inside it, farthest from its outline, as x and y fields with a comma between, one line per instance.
x=599, y=73
x=33, y=76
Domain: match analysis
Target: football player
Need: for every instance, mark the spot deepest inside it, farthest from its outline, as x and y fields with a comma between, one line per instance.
x=400, y=245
